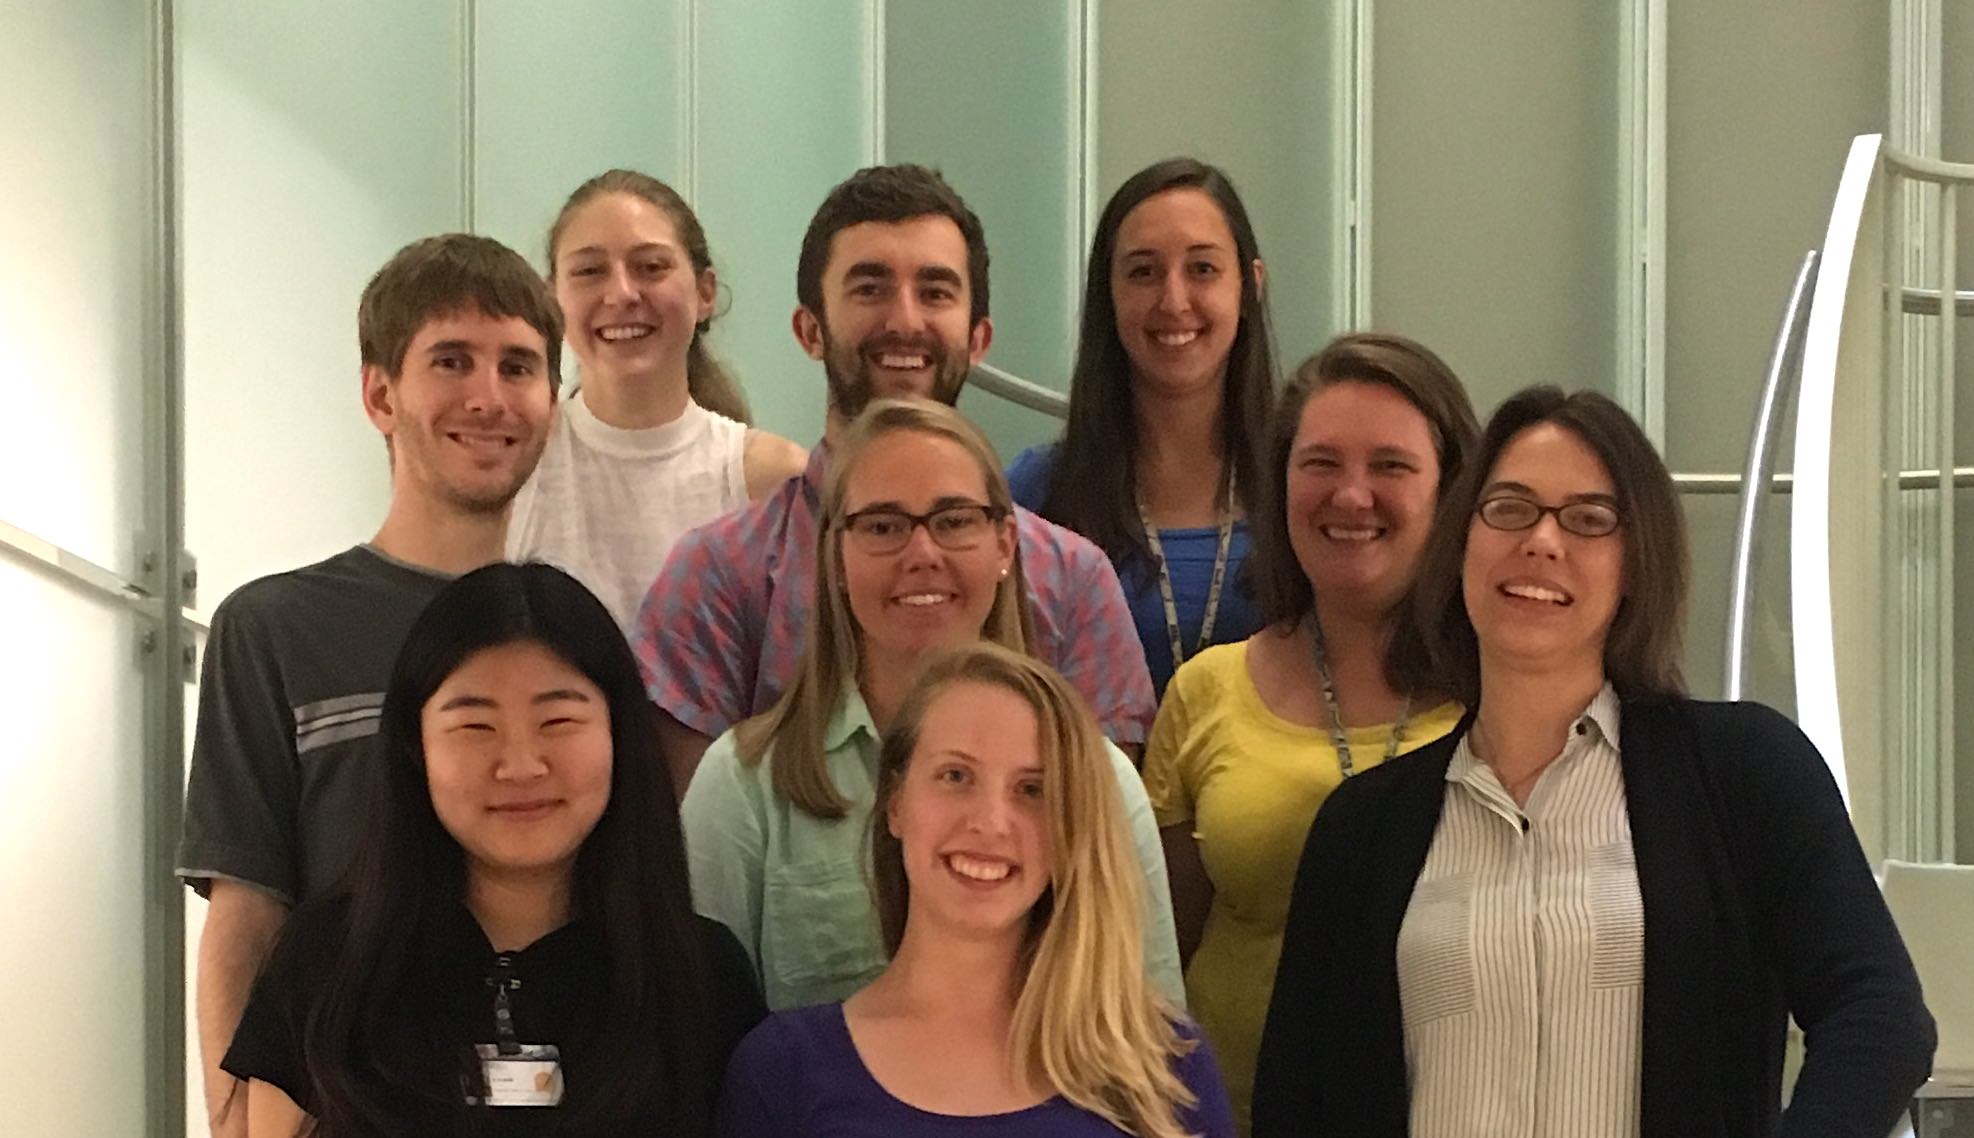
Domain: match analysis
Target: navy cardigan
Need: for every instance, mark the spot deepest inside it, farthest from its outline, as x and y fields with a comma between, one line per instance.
x=1759, y=904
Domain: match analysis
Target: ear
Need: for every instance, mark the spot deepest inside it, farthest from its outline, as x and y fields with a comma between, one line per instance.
x=708, y=288
x=1007, y=544
x=808, y=331
x=1260, y=279
x=891, y=814
x=980, y=340
x=379, y=399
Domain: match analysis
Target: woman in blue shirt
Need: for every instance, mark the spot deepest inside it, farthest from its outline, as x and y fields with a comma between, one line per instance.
x=1168, y=409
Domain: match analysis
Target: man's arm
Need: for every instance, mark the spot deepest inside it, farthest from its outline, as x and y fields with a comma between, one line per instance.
x=241, y=924
x=697, y=643
x=271, y=1113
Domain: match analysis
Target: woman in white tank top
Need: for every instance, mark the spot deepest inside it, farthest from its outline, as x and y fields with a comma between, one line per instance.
x=655, y=442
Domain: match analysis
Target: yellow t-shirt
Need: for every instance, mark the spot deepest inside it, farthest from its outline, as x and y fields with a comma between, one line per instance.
x=1250, y=782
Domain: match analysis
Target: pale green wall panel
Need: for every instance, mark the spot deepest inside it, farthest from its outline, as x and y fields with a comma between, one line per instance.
x=1494, y=183
x=77, y=284
x=783, y=113
x=987, y=93
x=311, y=150
x=1247, y=87
x=564, y=90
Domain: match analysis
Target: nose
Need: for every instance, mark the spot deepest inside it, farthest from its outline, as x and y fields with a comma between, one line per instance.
x=992, y=814
x=620, y=286
x=904, y=313
x=519, y=761
x=1353, y=491
x=1544, y=539
x=1172, y=294
x=919, y=548
x=482, y=389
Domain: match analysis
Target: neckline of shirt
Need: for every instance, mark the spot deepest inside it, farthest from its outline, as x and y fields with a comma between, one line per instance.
x=661, y=441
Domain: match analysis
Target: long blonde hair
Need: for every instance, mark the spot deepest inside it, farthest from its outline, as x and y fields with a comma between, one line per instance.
x=790, y=734
x=1088, y=1023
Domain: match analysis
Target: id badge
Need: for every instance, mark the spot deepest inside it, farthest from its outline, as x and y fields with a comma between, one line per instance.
x=530, y=1077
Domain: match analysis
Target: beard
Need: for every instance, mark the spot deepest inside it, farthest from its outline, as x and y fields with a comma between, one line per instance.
x=853, y=372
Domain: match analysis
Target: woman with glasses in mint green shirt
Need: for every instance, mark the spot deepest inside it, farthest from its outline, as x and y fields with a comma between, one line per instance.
x=917, y=553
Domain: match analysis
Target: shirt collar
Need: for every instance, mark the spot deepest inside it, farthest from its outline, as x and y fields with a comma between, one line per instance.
x=852, y=717
x=1597, y=721
x=818, y=468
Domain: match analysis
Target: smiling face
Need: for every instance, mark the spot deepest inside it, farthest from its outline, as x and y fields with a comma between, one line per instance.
x=1175, y=287
x=518, y=759
x=468, y=414
x=970, y=814
x=897, y=314
x=921, y=597
x=628, y=289
x=1363, y=479
x=1543, y=597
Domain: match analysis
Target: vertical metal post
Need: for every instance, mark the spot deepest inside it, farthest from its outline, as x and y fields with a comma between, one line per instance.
x=1940, y=786
x=164, y=751
x=469, y=113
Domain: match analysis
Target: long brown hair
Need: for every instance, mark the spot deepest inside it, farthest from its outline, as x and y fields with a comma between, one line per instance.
x=792, y=731
x=1642, y=648
x=1093, y=489
x=707, y=380
x=1087, y=1023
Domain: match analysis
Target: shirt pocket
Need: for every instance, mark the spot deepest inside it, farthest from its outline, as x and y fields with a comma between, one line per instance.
x=819, y=932
x=1436, y=951
x=1617, y=917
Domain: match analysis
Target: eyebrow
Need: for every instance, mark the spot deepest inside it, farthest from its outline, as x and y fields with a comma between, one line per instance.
x=1377, y=452
x=507, y=351
x=1195, y=247
x=974, y=760
x=938, y=503
x=641, y=247
x=554, y=695
x=1518, y=488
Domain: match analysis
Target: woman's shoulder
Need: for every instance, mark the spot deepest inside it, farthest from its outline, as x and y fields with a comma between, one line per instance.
x=1029, y=474
x=787, y=1042
x=1212, y=674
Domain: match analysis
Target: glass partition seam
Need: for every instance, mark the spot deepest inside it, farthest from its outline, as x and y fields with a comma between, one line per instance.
x=1641, y=262
x=874, y=92
x=1352, y=94
x=1084, y=77
x=165, y=666
x=687, y=23
x=469, y=114
x=1940, y=782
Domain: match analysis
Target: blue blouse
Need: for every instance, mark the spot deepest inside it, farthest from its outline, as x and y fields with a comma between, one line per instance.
x=1189, y=554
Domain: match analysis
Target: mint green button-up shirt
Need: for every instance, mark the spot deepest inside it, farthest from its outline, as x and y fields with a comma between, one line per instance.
x=794, y=889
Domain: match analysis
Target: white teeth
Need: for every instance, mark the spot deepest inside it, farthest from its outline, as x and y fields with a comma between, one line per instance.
x=1537, y=593
x=902, y=363
x=1175, y=339
x=979, y=869
x=921, y=600
x=1345, y=533
x=618, y=332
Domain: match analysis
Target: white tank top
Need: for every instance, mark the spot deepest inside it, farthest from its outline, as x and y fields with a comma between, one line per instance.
x=606, y=504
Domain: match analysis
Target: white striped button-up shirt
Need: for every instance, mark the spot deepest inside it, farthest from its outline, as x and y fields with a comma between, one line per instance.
x=1521, y=957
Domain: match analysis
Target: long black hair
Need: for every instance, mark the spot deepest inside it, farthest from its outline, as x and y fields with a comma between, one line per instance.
x=372, y=1031
x=1094, y=487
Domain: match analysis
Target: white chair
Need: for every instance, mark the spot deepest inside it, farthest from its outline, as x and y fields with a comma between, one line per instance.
x=1934, y=908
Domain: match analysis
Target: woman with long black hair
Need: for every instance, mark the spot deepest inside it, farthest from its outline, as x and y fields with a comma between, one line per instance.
x=514, y=950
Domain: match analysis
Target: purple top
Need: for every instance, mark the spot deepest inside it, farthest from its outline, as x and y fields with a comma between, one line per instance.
x=720, y=634
x=799, y=1074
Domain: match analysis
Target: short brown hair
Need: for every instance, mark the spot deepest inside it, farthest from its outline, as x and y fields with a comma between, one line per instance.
x=1281, y=589
x=1642, y=648
x=889, y=194
x=440, y=276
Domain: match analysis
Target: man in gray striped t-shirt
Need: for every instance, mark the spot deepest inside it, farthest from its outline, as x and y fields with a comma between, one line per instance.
x=461, y=346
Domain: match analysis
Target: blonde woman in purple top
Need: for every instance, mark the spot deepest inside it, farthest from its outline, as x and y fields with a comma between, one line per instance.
x=1015, y=1001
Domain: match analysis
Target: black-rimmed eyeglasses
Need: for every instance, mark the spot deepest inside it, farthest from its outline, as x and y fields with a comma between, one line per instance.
x=1584, y=519
x=957, y=527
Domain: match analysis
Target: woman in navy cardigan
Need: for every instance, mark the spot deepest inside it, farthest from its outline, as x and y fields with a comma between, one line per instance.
x=1593, y=909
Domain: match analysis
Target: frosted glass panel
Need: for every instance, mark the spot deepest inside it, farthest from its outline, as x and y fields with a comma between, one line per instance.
x=1495, y=175
x=71, y=863
x=1247, y=87
x=783, y=113
x=312, y=149
x=1017, y=160
x=77, y=290
x=566, y=89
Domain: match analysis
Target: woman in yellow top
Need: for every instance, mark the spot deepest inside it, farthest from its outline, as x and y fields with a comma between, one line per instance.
x=1253, y=736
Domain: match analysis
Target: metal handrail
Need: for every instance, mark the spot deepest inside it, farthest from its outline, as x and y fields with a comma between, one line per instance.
x=69, y=567
x=1022, y=392
x=1926, y=302
x=1777, y=390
